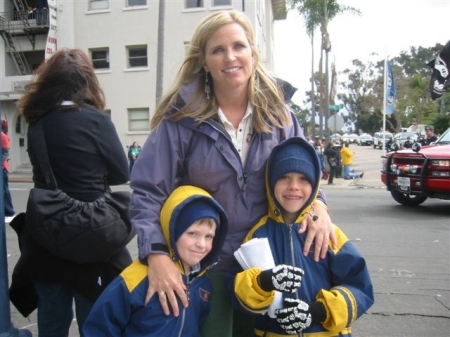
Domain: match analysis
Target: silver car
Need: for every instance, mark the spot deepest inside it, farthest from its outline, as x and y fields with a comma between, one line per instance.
x=365, y=139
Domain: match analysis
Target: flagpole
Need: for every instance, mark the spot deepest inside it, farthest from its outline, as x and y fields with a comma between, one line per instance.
x=384, y=103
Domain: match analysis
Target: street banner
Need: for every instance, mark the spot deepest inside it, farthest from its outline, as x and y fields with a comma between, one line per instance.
x=390, y=93
x=50, y=47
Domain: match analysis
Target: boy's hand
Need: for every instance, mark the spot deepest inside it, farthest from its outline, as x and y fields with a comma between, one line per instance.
x=283, y=278
x=294, y=316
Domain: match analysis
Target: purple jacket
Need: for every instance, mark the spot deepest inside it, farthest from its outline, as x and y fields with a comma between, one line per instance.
x=184, y=154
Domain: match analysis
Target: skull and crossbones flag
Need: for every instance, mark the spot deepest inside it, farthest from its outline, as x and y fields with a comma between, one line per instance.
x=440, y=78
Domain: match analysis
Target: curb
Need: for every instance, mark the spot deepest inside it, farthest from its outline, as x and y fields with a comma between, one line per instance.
x=20, y=178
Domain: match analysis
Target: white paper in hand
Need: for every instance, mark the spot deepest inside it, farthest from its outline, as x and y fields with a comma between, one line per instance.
x=257, y=253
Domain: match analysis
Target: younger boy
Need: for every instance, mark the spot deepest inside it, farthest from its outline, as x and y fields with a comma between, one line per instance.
x=335, y=291
x=194, y=226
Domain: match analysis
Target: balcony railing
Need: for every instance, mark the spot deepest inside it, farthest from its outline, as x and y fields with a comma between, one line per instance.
x=23, y=20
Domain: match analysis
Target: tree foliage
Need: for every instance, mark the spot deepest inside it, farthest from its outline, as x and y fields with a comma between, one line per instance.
x=318, y=13
x=361, y=91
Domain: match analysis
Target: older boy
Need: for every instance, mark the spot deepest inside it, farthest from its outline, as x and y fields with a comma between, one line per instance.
x=194, y=226
x=335, y=291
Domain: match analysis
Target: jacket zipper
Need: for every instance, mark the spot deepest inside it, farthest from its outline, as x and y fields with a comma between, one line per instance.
x=183, y=318
x=291, y=245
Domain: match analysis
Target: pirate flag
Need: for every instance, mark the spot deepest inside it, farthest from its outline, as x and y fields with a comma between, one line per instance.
x=440, y=79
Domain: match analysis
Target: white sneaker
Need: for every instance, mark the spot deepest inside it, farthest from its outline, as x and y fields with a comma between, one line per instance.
x=8, y=219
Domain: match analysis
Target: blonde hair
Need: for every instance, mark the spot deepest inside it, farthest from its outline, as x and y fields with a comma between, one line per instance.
x=264, y=93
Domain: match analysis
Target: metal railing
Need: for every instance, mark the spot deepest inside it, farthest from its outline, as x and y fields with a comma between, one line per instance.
x=15, y=21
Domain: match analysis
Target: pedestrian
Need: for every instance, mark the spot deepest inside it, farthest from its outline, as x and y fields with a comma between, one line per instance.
x=86, y=156
x=9, y=211
x=347, y=161
x=429, y=135
x=334, y=292
x=331, y=156
x=215, y=129
x=133, y=153
x=194, y=227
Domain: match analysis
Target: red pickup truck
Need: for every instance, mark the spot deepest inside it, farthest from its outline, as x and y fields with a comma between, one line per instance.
x=419, y=173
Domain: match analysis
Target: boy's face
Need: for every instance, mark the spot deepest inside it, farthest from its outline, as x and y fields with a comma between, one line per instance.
x=196, y=242
x=292, y=191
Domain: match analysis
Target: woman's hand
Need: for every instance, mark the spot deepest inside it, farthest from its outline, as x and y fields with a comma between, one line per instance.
x=165, y=280
x=319, y=231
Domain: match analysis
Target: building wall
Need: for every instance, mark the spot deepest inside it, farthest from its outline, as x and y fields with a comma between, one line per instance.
x=116, y=28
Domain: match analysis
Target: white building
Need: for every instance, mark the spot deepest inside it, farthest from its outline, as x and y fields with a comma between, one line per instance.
x=121, y=36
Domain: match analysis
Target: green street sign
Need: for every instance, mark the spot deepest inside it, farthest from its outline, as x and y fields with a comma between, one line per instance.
x=336, y=107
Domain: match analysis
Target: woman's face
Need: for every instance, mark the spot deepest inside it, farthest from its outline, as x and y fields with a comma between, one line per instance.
x=229, y=58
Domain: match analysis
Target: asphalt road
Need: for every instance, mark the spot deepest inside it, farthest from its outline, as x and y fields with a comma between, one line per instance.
x=406, y=249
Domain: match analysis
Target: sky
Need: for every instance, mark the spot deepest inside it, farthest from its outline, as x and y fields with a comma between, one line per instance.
x=385, y=27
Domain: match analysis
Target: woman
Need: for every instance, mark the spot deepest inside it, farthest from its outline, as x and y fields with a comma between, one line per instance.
x=133, y=153
x=86, y=156
x=214, y=129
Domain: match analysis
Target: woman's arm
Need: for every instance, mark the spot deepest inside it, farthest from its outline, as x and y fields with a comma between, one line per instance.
x=155, y=175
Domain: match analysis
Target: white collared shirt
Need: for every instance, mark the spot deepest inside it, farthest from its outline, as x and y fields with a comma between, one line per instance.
x=242, y=135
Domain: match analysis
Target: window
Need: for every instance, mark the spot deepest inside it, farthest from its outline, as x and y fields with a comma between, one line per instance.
x=100, y=58
x=132, y=3
x=194, y=3
x=139, y=119
x=137, y=56
x=98, y=4
x=217, y=3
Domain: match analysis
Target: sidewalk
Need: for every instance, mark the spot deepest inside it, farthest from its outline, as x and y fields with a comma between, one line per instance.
x=371, y=179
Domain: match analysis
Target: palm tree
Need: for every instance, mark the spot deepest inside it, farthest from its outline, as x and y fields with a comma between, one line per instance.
x=318, y=13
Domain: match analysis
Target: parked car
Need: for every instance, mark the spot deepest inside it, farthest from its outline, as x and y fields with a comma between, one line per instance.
x=344, y=138
x=378, y=139
x=365, y=139
x=336, y=137
x=353, y=138
x=422, y=172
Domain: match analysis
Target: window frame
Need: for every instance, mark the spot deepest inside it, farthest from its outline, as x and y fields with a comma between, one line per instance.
x=98, y=5
x=213, y=3
x=128, y=4
x=142, y=118
x=187, y=2
x=133, y=61
x=99, y=60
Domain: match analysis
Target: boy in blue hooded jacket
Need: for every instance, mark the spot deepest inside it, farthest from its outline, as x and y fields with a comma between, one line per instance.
x=335, y=291
x=194, y=227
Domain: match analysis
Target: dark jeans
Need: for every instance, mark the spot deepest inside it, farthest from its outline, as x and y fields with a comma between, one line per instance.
x=331, y=174
x=9, y=209
x=55, y=313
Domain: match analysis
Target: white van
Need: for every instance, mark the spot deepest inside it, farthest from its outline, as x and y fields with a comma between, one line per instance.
x=419, y=128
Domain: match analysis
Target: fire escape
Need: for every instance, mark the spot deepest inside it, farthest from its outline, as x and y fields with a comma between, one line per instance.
x=22, y=22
